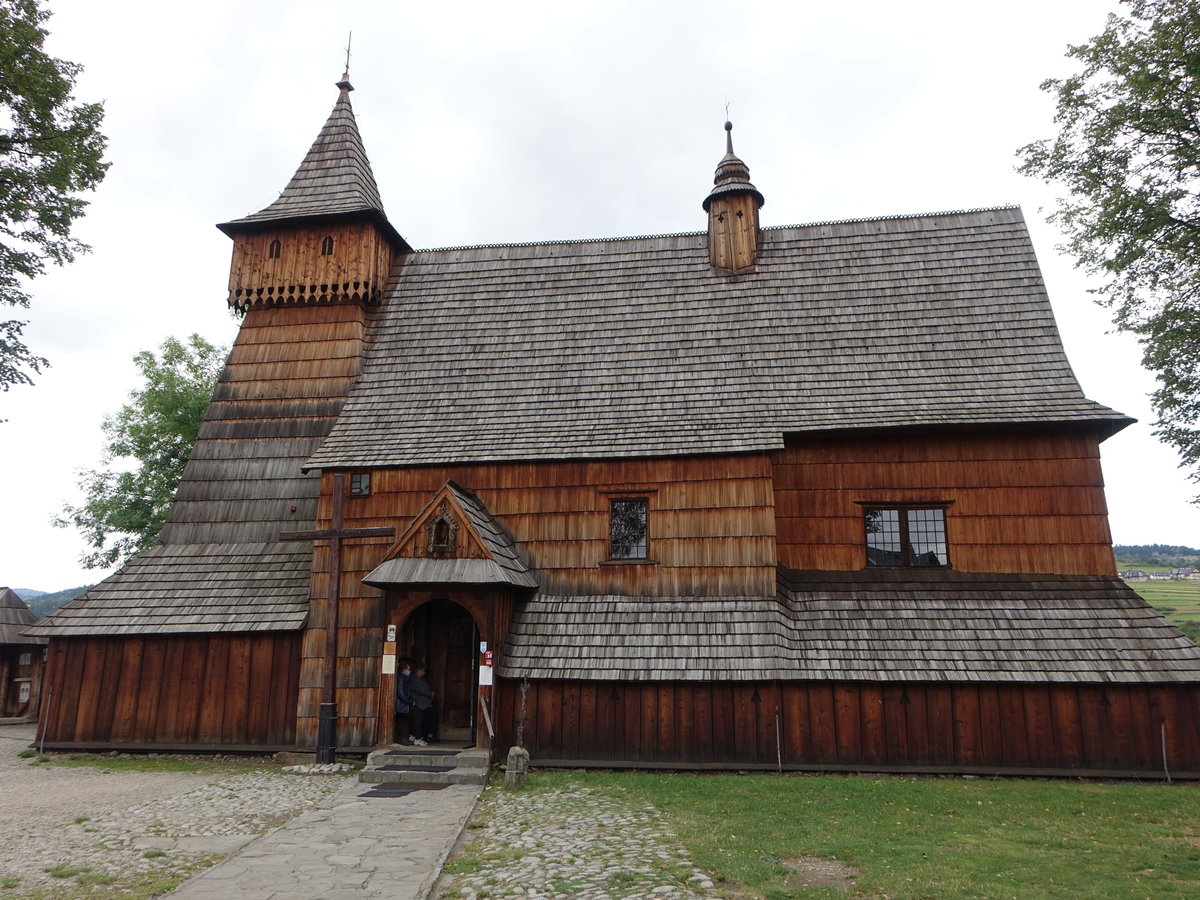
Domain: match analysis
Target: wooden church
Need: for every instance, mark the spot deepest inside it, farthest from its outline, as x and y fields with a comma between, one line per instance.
x=816, y=496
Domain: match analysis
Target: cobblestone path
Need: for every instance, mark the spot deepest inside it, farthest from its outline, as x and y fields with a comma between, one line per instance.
x=572, y=843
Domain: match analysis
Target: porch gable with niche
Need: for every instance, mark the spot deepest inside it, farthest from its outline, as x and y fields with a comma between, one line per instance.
x=452, y=558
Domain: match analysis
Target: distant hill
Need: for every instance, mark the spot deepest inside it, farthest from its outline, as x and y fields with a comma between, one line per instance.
x=1132, y=555
x=43, y=603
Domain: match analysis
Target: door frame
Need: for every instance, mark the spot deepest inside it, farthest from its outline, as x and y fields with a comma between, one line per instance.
x=490, y=606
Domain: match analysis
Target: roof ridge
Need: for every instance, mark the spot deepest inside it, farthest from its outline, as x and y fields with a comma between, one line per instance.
x=701, y=232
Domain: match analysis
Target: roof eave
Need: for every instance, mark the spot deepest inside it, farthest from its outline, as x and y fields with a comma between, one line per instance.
x=251, y=225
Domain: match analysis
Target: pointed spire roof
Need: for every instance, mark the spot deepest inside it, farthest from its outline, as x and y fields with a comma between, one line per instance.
x=334, y=180
x=15, y=617
x=733, y=175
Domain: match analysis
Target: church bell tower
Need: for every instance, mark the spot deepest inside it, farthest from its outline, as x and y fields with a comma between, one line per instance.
x=732, y=206
x=325, y=239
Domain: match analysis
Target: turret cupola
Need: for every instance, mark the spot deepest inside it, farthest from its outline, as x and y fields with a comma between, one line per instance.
x=732, y=206
x=325, y=239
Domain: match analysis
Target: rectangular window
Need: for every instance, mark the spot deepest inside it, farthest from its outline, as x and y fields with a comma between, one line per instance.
x=627, y=528
x=904, y=536
x=360, y=484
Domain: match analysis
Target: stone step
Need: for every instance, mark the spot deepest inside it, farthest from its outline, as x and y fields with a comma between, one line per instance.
x=435, y=756
x=404, y=775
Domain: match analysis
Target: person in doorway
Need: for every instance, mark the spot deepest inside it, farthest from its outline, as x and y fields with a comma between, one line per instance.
x=422, y=697
x=404, y=703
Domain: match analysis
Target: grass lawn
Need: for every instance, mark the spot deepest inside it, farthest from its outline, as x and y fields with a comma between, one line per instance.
x=139, y=763
x=1179, y=601
x=927, y=838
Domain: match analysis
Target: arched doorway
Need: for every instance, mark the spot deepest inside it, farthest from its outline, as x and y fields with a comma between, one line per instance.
x=444, y=636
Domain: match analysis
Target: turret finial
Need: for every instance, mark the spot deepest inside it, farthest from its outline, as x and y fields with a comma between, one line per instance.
x=728, y=135
x=344, y=85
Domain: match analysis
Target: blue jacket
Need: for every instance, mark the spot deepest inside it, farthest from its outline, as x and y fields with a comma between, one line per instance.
x=403, y=697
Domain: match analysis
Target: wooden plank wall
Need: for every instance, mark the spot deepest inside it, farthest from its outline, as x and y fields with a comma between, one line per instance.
x=1019, y=501
x=203, y=690
x=963, y=726
x=356, y=271
x=711, y=532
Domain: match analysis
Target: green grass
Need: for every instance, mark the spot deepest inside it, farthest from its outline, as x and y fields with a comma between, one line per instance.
x=927, y=838
x=146, y=764
x=1179, y=601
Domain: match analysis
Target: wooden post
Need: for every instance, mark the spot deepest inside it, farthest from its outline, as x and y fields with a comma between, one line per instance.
x=327, y=717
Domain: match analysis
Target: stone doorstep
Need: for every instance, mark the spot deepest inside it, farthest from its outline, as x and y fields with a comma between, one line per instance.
x=414, y=775
x=415, y=758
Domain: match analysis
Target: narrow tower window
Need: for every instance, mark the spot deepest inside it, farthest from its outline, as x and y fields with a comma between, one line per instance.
x=327, y=246
x=273, y=250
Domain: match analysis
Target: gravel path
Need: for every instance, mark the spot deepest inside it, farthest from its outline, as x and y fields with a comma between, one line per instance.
x=114, y=829
x=576, y=843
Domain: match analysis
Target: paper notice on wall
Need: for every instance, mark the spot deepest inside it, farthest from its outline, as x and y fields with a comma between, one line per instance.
x=389, y=664
x=485, y=676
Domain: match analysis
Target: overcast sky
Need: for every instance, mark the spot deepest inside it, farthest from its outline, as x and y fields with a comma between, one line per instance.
x=526, y=121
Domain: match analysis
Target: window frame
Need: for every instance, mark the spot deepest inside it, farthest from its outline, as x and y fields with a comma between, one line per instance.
x=354, y=486
x=644, y=543
x=903, y=508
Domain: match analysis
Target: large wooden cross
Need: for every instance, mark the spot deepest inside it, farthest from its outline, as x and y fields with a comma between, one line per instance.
x=335, y=533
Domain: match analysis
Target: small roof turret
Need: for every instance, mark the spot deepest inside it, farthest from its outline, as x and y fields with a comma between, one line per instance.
x=733, y=175
x=334, y=180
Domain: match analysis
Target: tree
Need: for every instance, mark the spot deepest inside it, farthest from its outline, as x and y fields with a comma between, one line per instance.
x=51, y=150
x=1128, y=153
x=125, y=508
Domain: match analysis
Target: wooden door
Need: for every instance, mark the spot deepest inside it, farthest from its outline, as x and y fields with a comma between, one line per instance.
x=442, y=634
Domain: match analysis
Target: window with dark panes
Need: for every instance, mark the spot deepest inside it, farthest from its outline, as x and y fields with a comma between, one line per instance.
x=360, y=484
x=273, y=250
x=904, y=536
x=627, y=529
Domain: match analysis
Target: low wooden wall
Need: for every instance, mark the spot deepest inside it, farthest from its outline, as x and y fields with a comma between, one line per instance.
x=143, y=691
x=966, y=727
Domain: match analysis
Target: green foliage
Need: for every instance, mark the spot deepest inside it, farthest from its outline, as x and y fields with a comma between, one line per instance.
x=51, y=150
x=1128, y=153
x=125, y=509
x=44, y=604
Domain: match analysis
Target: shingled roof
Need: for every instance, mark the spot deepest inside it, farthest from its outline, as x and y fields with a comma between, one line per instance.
x=15, y=619
x=334, y=180
x=638, y=347
x=503, y=564
x=869, y=625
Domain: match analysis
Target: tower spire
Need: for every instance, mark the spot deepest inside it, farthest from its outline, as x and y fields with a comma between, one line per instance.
x=344, y=85
x=325, y=238
x=732, y=206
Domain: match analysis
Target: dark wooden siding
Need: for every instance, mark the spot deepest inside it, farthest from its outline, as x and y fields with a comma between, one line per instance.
x=1019, y=501
x=976, y=727
x=203, y=691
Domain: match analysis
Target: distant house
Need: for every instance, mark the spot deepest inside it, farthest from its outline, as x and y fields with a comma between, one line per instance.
x=807, y=496
x=20, y=658
x=1134, y=575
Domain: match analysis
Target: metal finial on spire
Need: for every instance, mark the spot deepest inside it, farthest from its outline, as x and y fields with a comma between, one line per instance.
x=728, y=132
x=344, y=85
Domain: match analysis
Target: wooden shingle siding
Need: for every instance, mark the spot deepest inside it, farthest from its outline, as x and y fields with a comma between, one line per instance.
x=884, y=625
x=855, y=725
x=219, y=564
x=1021, y=501
x=203, y=691
x=710, y=533
x=638, y=347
